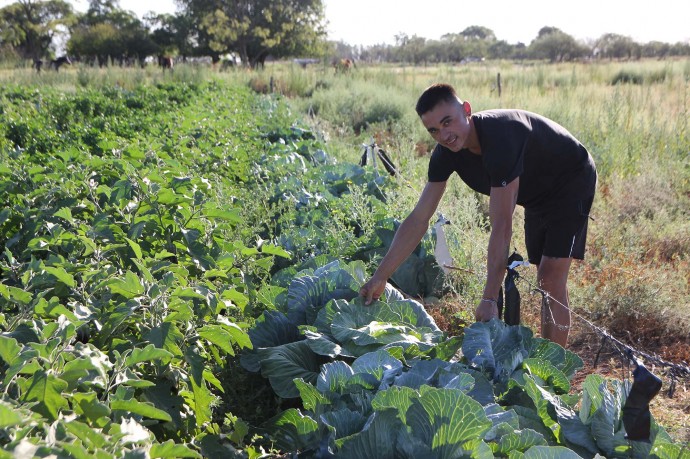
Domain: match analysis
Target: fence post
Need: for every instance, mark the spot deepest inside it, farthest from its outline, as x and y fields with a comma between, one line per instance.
x=498, y=84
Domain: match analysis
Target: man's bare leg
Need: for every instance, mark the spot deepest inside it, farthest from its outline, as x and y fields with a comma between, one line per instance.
x=552, y=275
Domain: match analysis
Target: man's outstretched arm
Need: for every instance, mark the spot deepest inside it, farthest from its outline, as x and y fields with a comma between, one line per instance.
x=407, y=237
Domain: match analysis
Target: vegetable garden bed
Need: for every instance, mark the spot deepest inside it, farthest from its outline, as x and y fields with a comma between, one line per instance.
x=153, y=238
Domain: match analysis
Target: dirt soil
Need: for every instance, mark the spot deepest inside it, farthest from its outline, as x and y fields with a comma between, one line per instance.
x=671, y=412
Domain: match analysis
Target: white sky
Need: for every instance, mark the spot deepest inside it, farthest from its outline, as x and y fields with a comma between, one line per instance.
x=370, y=22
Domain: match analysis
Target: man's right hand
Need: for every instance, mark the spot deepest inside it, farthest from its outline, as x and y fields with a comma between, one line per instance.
x=372, y=290
x=486, y=311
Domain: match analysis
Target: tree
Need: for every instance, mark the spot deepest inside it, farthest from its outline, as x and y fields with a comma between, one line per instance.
x=616, y=46
x=476, y=32
x=456, y=46
x=556, y=46
x=256, y=28
x=173, y=34
x=655, y=49
x=30, y=26
x=501, y=50
x=107, y=32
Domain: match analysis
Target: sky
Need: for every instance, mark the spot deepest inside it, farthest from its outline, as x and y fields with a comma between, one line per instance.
x=369, y=22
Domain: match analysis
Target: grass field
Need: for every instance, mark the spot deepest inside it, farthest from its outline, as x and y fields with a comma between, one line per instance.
x=635, y=281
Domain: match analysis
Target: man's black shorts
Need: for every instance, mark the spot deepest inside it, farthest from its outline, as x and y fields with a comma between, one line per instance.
x=560, y=232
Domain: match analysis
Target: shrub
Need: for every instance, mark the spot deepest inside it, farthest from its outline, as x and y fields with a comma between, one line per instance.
x=359, y=105
x=626, y=76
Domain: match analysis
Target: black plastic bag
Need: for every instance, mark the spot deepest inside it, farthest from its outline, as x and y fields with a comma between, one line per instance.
x=636, y=416
x=511, y=294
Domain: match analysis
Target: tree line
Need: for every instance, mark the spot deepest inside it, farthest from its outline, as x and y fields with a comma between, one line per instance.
x=248, y=32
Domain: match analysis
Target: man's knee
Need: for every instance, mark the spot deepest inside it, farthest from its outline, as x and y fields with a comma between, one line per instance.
x=553, y=272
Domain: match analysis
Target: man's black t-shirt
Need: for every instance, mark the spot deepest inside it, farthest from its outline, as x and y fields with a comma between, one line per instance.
x=553, y=166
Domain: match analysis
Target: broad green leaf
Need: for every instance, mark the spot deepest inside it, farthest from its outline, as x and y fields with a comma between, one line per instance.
x=77, y=450
x=90, y=406
x=308, y=294
x=189, y=293
x=395, y=398
x=9, y=350
x=140, y=408
x=172, y=450
x=552, y=377
x=238, y=298
x=550, y=452
x=213, y=380
x=165, y=396
x=560, y=418
x=46, y=390
x=149, y=353
x=65, y=213
x=270, y=249
x=378, y=440
x=294, y=431
x=311, y=397
x=53, y=309
x=170, y=198
x=566, y=361
x=202, y=399
x=77, y=371
x=136, y=248
x=334, y=376
x=232, y=216
x=9, y=416
x=344, y=421
x=15, y=294
x=131, y=431
x=446, y=418
x=129, y=287
x=496, y=348
x=224, y=336
x=380, y=364
x=282, y=364
x=271, y=329
x=166, y=336
x=519, y=440
x=90, y=438
x=668, y=450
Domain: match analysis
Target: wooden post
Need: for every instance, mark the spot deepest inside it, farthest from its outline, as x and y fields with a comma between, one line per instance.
x=498, y=84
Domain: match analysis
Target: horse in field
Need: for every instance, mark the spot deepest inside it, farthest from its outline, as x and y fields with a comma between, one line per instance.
x=53, y=64
x=166, y=62
x=343, y=65
x=59, y=62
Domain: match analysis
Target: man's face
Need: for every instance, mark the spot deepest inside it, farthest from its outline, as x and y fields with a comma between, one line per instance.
x=448, y=124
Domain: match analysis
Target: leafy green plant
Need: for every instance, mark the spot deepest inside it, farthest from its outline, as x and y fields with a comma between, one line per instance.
x=384, y=381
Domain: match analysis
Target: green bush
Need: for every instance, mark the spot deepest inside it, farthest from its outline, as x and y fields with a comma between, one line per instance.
x=626, y=76
x=359, y=105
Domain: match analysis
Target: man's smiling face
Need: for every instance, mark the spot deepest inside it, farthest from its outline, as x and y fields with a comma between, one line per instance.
x=448, y=123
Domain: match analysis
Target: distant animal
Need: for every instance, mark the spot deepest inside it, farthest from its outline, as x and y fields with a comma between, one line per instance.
x=38, y=64
x=59, y=62
x=166, y=62
x=343, y=65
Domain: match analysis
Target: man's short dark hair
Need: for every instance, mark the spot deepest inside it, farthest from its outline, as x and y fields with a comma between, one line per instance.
x=439, y=92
